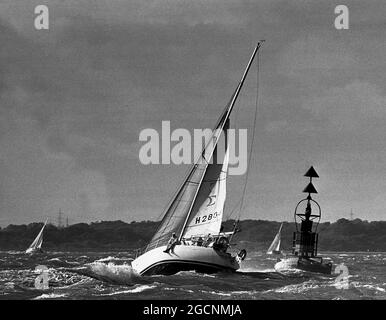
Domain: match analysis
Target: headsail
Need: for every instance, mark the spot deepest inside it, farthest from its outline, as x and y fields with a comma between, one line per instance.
x=207, y=212
x=275, y=245
x=176, y=216
x=37, y=243
x=203, y=181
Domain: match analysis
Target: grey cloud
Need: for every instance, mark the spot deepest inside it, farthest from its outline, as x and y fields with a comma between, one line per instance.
x=73, y=100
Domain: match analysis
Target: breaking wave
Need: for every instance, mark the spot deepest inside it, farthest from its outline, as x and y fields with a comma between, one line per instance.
x=297, y=288
x=138, y=289
x=110, y=272
x=50, y=296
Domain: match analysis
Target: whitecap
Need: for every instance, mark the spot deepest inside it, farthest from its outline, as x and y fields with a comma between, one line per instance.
x=138, y=289
x=221, y=293
x=174, y=289
x=112, y=259
x=72, y=262
x=368, y=286
x=50, y=296
x=297, y=288
x=246, y=270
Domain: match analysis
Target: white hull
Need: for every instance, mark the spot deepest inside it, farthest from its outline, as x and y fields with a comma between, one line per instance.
x=287, y=264
x=33, y=250
x=298, y=263
x=183, y=257
x=274, y=252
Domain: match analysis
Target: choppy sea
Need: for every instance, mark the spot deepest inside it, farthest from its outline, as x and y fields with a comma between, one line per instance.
x=108, y=275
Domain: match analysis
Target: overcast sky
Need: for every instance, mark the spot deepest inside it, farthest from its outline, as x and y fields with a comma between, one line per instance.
x=74, y=99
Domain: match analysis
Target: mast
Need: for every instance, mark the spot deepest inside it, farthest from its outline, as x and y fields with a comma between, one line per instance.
x=60, y=214
x=281, y=226
x=220, y=125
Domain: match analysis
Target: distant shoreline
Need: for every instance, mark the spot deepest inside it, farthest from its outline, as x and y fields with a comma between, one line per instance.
x=342, y=236
x=132, y=251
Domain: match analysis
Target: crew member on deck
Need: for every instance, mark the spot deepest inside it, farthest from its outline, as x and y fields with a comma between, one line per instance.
x=172, y=243
x=208, y=240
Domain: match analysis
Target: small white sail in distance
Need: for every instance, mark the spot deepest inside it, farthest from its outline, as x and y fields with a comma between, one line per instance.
x=37, y=243
x=275, y=245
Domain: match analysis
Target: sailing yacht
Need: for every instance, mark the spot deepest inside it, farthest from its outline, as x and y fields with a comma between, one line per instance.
x=274, y=248
x=36, y=245
x=190, y=236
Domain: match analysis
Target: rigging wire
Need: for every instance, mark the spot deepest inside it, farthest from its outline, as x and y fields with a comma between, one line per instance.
x=255, y=117
x=241, y=201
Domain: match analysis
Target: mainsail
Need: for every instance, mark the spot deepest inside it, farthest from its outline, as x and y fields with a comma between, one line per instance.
x=202, y=194
x=275, y=245
x=37, y=243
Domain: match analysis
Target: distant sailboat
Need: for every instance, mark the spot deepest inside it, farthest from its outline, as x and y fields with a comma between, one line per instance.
x=190, y=236
x=36, y=245
x=274, y=248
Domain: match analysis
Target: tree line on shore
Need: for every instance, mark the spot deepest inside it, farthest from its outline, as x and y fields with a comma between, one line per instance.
x=342, y=235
